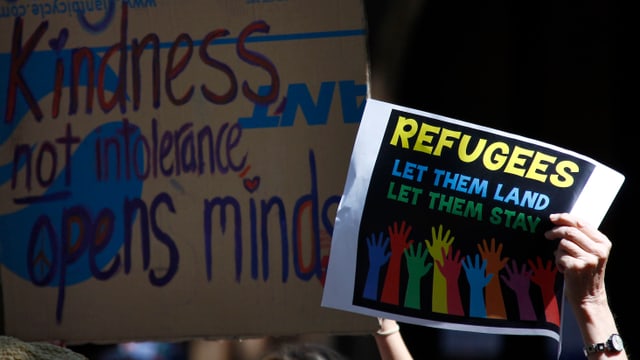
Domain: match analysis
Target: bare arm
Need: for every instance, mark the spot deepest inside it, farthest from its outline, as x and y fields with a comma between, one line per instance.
x=390, y=343
x=582, y=255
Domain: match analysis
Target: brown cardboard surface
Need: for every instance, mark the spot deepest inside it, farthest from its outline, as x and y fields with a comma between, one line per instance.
x=164, y=261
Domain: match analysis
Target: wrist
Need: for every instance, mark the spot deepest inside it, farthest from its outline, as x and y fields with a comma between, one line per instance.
x=612, y=346
x=387, y=327
x=596, y=322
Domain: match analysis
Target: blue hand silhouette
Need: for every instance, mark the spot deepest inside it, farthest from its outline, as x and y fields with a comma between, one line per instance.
x=378, y=257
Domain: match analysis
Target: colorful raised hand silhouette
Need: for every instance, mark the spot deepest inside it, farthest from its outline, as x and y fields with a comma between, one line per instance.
x=398, y=237
x=545, y=278
x=493, y=292
x=520, y=283
x=477, y=281
x=378, y=257
x=417, y=267
x=450, y=269
x=439, y=294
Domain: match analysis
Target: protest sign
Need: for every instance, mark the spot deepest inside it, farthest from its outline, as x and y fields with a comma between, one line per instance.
x=171, y=169
x=441, y=223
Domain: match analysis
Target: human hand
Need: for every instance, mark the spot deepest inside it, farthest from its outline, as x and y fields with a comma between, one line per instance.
x=582, y=255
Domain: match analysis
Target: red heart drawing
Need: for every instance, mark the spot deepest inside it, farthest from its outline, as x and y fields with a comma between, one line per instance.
x=252, y=184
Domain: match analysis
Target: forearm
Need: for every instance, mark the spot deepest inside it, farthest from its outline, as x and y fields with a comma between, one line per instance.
x=597, y=322
x=390, y=343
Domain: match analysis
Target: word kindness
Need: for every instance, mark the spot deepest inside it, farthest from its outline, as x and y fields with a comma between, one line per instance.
x=494, y=156
x=174, y=67
x=468, y=185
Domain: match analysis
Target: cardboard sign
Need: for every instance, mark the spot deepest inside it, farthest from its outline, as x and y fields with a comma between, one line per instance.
x=172, y=169
x=442, y=223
